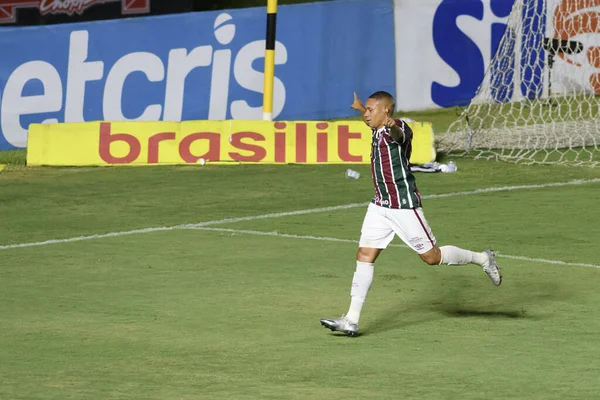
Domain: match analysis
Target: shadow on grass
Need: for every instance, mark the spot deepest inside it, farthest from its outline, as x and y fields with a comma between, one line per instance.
x=403, y=317
x=463, y=312
x=399, y=318
x=460, y=297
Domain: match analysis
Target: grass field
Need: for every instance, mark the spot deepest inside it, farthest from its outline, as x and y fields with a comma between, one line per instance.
x=220, y=311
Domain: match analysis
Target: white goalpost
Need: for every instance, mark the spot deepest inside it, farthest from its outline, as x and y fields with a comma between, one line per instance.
x=539, y=101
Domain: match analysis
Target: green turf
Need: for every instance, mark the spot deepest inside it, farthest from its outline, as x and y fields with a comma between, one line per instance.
x=13, y=157
x=194, y=314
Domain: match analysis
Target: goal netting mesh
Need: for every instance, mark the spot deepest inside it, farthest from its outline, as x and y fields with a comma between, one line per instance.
x=539, y=100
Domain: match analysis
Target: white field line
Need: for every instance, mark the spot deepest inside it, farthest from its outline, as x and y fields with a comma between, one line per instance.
x=330, y=239
x=290, y=213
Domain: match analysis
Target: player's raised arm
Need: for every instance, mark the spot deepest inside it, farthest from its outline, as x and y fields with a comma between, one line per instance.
x=396, y=132
x=358, y=105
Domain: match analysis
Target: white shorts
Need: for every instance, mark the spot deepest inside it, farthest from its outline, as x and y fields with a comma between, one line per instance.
x=410, y=225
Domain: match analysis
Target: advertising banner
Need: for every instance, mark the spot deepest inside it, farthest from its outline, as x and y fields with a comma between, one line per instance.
x=213, y=142
x=195, y=66
x=10, y=8
x=445, y=47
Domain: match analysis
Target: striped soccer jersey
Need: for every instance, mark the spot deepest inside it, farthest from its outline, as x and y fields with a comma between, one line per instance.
x=395, y=185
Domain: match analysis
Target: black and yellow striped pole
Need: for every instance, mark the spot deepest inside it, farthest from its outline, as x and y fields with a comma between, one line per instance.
x=270, y=60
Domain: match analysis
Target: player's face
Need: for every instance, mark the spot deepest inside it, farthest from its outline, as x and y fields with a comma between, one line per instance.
x=376, y=114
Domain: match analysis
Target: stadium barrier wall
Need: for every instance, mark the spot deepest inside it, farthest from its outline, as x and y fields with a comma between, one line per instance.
x=214, y=142
x=195, y=66
x=208, y=66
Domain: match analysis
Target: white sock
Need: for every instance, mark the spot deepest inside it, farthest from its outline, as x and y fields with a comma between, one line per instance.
x=452, y=255
x=361, y=282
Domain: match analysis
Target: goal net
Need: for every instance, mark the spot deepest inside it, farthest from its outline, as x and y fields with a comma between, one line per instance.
x=539, y=100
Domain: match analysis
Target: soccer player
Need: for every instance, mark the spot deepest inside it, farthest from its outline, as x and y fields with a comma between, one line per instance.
x=395, y=210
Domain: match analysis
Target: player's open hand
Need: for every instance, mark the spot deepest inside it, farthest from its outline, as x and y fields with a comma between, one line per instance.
x=390, y=122
x=358, y=104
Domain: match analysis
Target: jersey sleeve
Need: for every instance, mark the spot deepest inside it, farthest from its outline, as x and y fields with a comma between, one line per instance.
x=408, y=133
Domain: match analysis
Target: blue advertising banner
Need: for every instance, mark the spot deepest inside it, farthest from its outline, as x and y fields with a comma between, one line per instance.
x=446, y=49
x=449, y=44
x=195, y=66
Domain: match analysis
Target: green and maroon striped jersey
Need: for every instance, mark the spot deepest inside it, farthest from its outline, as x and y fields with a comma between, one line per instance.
x=395, y=185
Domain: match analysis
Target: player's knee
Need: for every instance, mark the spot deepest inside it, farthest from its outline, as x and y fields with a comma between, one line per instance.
x=431, y=258
x=367, y=255
x=363, y=255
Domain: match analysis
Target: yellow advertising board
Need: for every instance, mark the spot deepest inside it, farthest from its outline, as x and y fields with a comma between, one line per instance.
x=215, y=142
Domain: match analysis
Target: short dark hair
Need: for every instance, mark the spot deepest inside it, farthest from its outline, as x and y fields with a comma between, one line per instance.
x=381, y=95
